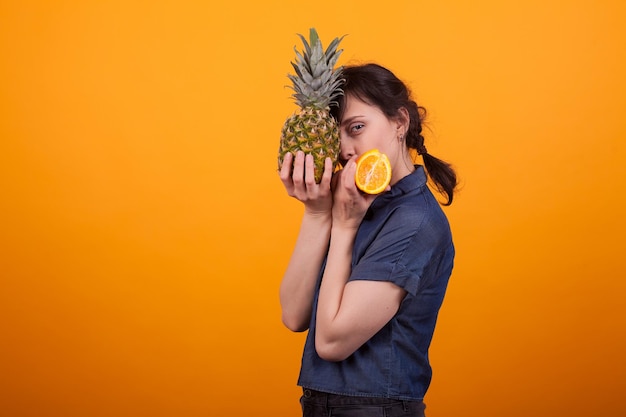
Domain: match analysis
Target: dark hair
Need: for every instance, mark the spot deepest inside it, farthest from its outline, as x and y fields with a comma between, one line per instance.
x=376, y=85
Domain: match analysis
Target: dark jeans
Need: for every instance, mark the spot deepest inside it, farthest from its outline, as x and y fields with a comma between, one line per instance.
x=320, y=404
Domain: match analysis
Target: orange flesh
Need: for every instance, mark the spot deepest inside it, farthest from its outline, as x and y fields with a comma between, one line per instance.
x=373, y=172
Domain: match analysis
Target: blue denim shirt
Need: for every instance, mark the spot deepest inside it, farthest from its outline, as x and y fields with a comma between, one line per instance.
x=404, y=238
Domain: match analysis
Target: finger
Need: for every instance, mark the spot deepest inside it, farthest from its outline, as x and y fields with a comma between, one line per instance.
x=309, y=171
x=350, y=177
x=298, y=169
x=328, y=172
x=285, y=168
x=285, y=173
x=349, y=172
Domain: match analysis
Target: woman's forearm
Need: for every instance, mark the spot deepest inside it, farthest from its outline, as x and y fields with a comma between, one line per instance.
x=298, y=285
x=336, y=274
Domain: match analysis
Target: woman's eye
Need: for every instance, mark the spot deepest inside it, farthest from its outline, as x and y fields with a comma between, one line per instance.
x=356, y=127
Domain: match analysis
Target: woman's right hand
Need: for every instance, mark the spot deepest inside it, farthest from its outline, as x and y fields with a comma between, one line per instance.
x=297, y=175
x=349, y=203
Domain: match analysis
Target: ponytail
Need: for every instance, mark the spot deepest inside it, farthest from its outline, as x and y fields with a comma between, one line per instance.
x=440, y=173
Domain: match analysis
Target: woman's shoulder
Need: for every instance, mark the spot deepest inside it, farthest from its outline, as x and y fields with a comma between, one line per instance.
x=420, y=214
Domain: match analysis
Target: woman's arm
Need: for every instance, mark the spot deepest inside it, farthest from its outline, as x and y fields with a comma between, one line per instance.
x=298, y=284
x=349, y=314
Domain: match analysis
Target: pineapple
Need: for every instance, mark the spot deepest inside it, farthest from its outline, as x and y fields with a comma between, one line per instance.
x=316, y=86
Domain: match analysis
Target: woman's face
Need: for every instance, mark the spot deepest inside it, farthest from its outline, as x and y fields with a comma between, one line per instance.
x=364, y=127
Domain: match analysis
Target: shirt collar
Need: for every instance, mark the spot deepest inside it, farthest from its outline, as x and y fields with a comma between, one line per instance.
x=409, y=183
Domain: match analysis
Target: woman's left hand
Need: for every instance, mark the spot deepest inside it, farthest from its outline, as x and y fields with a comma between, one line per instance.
x=349, y=203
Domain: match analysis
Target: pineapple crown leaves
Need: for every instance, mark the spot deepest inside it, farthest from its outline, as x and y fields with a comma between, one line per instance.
x=316, y=83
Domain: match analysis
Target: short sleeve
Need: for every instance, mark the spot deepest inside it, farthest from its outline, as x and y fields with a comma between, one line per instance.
x=401, y=251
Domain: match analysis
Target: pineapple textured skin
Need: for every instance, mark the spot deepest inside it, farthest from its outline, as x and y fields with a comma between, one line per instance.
x=313, y=131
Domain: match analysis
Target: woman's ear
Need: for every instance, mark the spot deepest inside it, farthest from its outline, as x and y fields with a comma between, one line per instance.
x=403, y=120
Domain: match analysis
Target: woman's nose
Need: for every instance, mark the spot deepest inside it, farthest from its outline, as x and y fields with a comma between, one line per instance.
x=346, y=152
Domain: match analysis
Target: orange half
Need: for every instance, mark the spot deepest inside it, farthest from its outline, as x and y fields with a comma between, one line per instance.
x=373, y=172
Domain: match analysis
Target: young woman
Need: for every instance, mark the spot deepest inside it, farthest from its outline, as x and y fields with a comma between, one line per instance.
x=368, y=273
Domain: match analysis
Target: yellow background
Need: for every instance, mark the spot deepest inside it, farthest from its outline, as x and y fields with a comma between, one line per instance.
x=144, y=231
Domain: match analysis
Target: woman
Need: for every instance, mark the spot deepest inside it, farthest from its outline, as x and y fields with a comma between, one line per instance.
x=368, y=273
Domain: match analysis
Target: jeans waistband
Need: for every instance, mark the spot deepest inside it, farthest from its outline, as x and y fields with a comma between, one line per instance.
x=328, y=399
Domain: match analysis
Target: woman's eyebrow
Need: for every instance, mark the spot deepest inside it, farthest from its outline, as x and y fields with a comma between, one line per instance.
x=350, y=119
